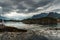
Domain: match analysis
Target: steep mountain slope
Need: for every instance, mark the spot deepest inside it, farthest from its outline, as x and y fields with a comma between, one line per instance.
x=54, y=15
x=39, y=15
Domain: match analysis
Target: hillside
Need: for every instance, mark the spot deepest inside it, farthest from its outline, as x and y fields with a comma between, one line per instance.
x=43, y=18
x=43, y=21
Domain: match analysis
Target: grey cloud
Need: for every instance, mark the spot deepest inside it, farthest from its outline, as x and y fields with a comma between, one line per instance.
x=42, y=3
x=4, y=4
x=17, y=1
x=31, y=5
x=7, y=6
x=7, y=9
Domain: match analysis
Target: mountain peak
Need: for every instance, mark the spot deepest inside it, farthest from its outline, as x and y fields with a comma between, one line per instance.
x=39, y=15
x=54, y=15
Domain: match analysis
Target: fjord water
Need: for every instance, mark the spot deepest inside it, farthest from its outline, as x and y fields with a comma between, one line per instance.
x=21, y=25
x=54, y=36
x=27, y=26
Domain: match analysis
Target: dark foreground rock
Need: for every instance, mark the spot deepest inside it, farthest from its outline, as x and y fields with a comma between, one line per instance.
x=30, y=35
x=11, y=33
x=4, y=28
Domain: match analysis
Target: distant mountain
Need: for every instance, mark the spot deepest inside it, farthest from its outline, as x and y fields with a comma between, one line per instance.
x=59, y=16
x=8, y=19
x=4, y=18
x=39, y=15
x=43, y=18
x=54, y=15
x=50, y=14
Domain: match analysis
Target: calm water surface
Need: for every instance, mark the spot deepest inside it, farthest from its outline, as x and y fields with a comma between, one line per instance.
x=27, y=26
x=54, y=36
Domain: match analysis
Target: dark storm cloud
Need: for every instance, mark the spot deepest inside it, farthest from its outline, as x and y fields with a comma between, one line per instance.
x=6, y=6
x=31, y=5
x=27, y=6
x=40, y=4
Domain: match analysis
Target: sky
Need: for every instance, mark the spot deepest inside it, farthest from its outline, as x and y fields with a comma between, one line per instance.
x=22, y=9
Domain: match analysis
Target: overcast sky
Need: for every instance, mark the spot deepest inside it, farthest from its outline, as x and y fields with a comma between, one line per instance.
x=20, y=9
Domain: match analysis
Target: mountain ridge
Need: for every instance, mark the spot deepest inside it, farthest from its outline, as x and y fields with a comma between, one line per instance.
x=50, y=14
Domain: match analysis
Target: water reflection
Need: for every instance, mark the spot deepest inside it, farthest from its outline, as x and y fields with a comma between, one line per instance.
x=46, y=34
x=53, y=25
x=26, y=26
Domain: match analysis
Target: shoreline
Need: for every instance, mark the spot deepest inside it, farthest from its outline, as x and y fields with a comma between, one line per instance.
x=4, y=28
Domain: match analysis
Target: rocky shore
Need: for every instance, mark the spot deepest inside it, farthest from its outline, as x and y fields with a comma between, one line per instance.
x=31, y=35
x=11, y=33
x=43, y=34
x=4, y=28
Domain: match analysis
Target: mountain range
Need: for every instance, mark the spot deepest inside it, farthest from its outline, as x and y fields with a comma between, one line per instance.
x=4, y=18
x=50, y=14
x=39, y=15
x=54, y=15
